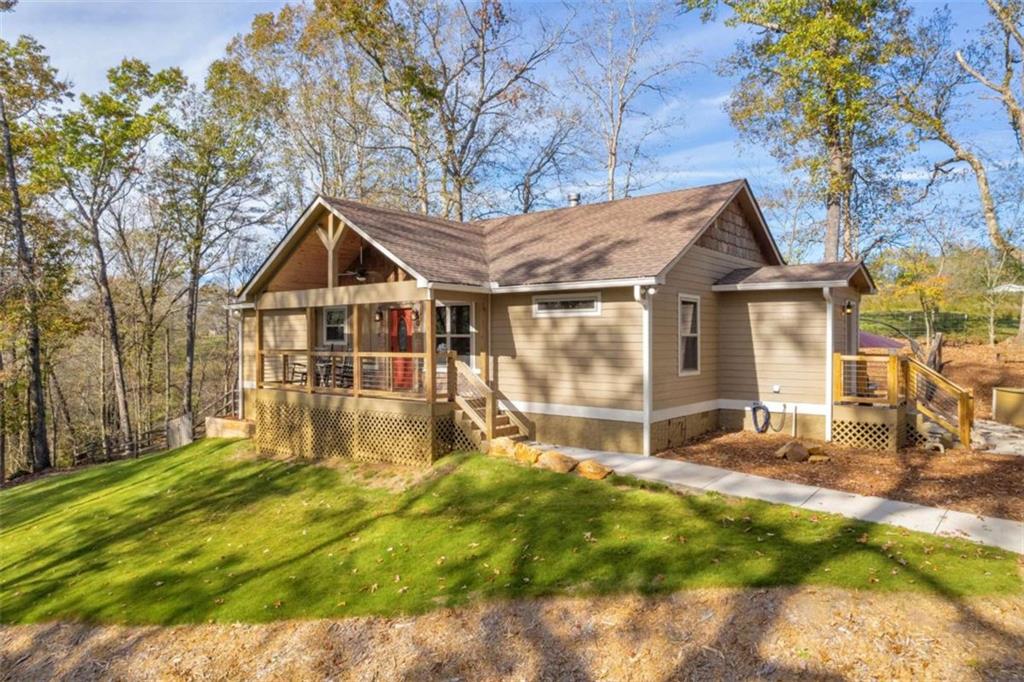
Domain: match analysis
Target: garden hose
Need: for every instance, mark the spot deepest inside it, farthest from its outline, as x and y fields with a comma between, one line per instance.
x=765, y=414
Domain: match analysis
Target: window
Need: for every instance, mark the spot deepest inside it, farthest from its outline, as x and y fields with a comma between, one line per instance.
x=574, y=305
x=689, y=335
x=335, y=324
x=454, y=329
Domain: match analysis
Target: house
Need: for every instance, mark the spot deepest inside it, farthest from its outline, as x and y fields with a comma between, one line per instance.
x=629, y=325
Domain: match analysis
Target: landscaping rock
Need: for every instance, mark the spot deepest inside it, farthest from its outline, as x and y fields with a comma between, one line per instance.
x=527, y=454
x=559, y=462
x=794, y=451
x=816, y=450
x=592, y=469
x=814, y=459
x=502, y=447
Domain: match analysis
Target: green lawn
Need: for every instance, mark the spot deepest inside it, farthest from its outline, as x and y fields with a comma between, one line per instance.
x=204, y=533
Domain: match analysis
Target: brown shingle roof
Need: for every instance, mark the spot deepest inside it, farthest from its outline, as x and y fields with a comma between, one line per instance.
x=623, y=239
x=635, y=237
x=820, y=274
x=437, y=249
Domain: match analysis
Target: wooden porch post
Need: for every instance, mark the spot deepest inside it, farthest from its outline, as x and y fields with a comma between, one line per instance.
x=893, y=377
x=837, y=377
x=259, y=348
x=310, y=342
x=453, y=375
x=430, y=348
x=357, y=365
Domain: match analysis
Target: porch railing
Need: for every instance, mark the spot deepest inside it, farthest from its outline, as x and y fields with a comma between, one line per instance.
x=392, y=375
x=891, y=380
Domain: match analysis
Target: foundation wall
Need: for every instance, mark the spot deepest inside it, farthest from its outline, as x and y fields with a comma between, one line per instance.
x=807, y=425
x=594, y=434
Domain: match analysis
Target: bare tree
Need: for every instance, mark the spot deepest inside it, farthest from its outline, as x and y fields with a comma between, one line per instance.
x=615, y=62
x=937, y=83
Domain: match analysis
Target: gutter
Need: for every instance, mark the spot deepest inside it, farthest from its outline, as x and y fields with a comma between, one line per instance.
x=829, y=352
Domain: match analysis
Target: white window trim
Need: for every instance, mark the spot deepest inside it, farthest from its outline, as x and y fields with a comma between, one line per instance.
x=323, y=325
x=679, y=335
x=596, y=312
x=443, y=366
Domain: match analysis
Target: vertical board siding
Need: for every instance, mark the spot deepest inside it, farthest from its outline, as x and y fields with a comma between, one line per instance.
x=249, y=348
x=772, y=337
x=591, y=361
x=693, y=275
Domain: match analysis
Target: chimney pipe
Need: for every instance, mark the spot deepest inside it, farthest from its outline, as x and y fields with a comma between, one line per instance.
x=574, y=199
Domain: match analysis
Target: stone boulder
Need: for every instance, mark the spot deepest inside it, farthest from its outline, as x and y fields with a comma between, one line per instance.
x=502, y=447
x=527, y=454
x=559, y=462
x=816, y=450
x=816, y=459
x=794, y=451
x=592, y=469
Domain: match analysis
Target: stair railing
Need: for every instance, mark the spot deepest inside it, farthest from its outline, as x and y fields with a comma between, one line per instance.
x=472, y=394
x=890, y=380
x=949, y=405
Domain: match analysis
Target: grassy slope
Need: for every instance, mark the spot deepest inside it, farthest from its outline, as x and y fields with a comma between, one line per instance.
x=201, y=534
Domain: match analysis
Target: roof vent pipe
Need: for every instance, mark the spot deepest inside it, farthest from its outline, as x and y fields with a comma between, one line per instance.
x=574, y=199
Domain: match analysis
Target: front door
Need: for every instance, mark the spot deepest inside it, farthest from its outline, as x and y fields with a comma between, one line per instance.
x=400, y=335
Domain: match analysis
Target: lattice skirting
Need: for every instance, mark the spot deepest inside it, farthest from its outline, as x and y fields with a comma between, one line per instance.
x=305, y=431
x=867, y=435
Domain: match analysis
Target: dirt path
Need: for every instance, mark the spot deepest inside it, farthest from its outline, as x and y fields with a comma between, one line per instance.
x=803, y=633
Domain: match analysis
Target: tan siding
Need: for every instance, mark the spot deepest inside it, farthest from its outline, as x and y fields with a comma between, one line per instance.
x=693, y=275
x=591, y=361
x=771, y=338
x=285, y=330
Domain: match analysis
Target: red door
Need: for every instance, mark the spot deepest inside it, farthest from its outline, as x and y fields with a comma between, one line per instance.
x=400, y=334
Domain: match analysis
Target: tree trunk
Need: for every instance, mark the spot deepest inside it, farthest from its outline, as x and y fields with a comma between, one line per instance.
x=191, y=313
x=3, y=424
x=833, y=203
x=124, y=420
x=1020, y=322
x=167, y=379
x=27, y=271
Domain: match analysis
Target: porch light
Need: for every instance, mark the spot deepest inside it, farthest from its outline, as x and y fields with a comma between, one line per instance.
x=848, y=308
x=415, y=315
x=378, y=315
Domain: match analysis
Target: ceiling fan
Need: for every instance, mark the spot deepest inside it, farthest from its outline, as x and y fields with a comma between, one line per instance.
x=360, y=273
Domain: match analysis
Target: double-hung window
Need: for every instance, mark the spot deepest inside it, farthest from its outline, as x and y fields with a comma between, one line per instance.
x=689, y=335
x=454, y=330
x=335, y=326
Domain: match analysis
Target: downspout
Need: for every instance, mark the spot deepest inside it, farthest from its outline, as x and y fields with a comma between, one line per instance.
x=241, y=374
x=644, y=296
x=829, y=351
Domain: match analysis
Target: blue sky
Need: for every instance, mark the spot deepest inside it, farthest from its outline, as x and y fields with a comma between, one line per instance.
x=84, y=38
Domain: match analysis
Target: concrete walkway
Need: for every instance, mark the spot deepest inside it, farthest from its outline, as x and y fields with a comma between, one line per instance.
x=986, y=530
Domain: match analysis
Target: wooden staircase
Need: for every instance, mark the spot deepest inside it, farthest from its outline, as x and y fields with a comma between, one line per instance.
x=476, y=408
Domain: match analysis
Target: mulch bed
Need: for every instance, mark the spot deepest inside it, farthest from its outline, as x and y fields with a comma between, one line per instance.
x=775, y=633
x=967, y=481
x=976, y=367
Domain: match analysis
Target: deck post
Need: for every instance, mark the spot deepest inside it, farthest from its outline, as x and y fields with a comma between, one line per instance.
x=430, y=372
x=310, y=342
x=259, y=348
x=837, y=377
x=453, y=376
x=357, y=365
x=893, y=379
x=963, y=418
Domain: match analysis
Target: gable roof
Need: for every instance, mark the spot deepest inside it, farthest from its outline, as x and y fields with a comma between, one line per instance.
x=638, y=238
x=802, y=276
x=635, y=237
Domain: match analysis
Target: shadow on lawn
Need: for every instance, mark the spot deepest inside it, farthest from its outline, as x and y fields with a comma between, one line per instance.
x=522, y=510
